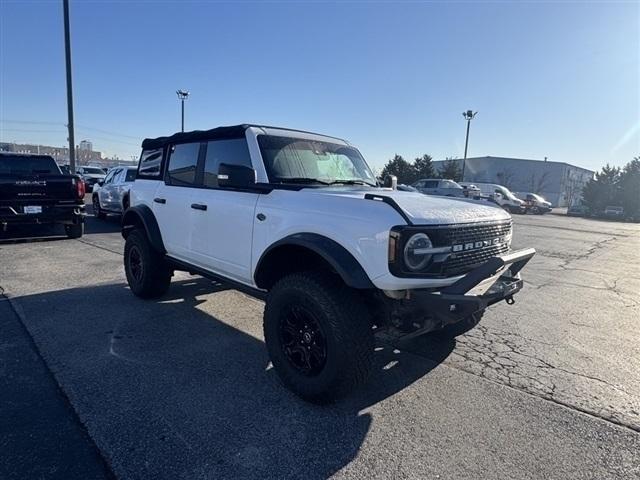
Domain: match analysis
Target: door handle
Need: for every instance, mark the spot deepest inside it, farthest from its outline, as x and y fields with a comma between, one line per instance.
x=198, y=206
x=160, y=200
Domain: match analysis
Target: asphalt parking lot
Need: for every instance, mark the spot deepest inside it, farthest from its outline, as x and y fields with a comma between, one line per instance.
x=100, y=384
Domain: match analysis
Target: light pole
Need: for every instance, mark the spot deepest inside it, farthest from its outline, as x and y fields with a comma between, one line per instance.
x=182, y=95
x=67, y=54
x=468, y=116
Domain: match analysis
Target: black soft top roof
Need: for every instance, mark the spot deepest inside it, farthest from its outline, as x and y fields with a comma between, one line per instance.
x=220, y=133
x=235, y=131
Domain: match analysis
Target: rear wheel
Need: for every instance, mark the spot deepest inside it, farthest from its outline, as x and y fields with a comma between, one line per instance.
x=148, y=274
x=74, y=230
x=319, y=336
x=97, y=210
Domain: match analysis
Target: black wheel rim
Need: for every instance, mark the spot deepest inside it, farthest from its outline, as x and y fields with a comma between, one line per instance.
x=303, y=341
x=135, y=264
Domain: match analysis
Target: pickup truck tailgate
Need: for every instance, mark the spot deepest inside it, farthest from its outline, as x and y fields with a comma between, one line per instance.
x=16, y=190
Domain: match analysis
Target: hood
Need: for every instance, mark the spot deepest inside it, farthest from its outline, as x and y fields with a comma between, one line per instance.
x=427, y=209
x=95, y=176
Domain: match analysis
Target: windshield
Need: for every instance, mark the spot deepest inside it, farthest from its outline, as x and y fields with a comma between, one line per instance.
x=450, y=184
x=93, y=170
x=296, y=160
x=17, y=165
x=506, y=193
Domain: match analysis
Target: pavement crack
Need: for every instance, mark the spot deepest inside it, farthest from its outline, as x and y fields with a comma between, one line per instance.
x=98, y=246
x=501, y=357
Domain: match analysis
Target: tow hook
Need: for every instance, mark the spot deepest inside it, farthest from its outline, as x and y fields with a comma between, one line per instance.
x=510, y=300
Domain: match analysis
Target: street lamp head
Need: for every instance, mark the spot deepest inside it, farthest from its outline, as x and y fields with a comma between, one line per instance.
x=182, y=94
x=469, y=114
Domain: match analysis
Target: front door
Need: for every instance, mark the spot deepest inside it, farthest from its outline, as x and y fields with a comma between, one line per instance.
x=222, y=219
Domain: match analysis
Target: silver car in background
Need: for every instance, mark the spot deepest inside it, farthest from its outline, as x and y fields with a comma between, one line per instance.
x=112, y=195
x=439, y=186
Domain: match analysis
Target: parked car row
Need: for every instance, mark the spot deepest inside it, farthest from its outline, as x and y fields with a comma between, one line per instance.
x=610, y=212
x=520, y=202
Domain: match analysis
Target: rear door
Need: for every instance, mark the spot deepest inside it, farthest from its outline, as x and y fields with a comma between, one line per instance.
x=222, y=219
x=173, y=199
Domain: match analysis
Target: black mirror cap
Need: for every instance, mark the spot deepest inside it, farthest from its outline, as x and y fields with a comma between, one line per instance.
x=236, y=176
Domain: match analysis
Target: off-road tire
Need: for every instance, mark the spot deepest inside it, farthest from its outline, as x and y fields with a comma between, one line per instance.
x=463, y=326
x=97, y=209
x=74, y=230
x=153, y=277
x=345, y=324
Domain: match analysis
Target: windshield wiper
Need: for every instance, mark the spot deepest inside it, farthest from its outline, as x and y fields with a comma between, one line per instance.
x=302, y=180
x=351, y=182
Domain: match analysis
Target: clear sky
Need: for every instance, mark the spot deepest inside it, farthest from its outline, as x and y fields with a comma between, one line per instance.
x=555, y=79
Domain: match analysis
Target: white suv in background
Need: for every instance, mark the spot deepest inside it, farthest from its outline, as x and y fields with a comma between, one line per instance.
x=499, y=194
x=297, y=218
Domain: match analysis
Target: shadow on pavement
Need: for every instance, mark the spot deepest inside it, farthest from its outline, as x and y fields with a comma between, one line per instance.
x=168, y=391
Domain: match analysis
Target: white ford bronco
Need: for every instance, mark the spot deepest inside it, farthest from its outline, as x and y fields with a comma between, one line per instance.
x=298, y=219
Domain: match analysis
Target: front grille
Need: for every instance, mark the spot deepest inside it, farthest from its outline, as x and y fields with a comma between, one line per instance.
x=461, y=262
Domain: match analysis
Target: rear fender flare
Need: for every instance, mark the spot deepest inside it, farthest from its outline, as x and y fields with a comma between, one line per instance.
x=142, y=216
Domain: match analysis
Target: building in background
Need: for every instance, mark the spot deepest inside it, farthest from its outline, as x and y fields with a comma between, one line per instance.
x=86, y=146
x=85, y=155
x=558, y=182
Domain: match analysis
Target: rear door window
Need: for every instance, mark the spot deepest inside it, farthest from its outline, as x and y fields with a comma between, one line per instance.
x=150, y=163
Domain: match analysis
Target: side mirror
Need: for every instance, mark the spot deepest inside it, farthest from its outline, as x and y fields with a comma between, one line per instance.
x=100, y=182
x=236, y=176
x=391, y=181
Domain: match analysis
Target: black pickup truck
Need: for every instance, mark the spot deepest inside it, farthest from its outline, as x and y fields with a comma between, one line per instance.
x=33, y=190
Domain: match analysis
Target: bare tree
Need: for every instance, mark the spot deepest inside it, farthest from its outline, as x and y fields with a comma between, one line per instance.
x=572, y=190
x=542, y=183
x=505, y=178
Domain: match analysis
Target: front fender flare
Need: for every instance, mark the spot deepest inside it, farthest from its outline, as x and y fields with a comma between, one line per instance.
x=340, y=259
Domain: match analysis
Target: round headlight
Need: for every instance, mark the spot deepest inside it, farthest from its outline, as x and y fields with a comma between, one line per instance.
x=415, y=255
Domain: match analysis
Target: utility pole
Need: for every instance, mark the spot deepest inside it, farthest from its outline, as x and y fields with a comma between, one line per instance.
x=468, y=116
x=182, y=95
x=67, y=51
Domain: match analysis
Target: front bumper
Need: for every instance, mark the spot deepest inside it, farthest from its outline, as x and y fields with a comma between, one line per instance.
x=426, y=310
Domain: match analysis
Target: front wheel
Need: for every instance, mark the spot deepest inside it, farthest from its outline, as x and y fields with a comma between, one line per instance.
x=148, y=274
x=318, y=335
x=97, y=210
